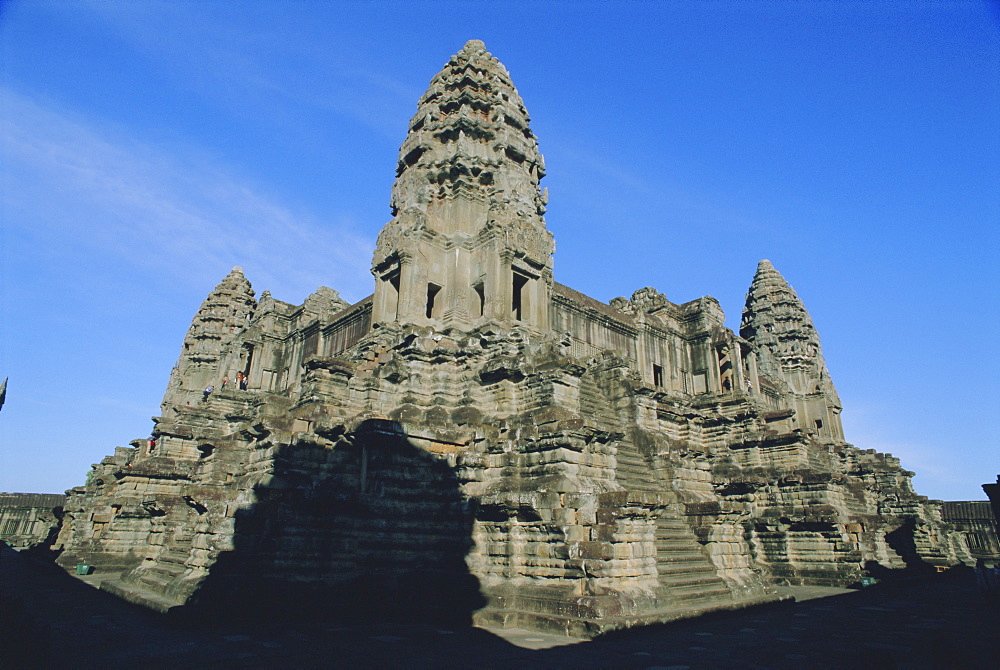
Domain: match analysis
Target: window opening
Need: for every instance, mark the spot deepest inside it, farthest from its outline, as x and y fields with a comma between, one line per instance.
x=518, y=296
x=248, y=348
x=481, y=295
x=657, y=375
x=432, y=292
x=392, y=298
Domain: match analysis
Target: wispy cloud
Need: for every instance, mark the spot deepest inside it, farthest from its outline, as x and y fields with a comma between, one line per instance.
x=234, y=67
x=170, y=207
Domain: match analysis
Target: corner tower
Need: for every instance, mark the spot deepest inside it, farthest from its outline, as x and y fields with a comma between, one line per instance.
x=776, y=321
x=223, y=315
x=467, y=242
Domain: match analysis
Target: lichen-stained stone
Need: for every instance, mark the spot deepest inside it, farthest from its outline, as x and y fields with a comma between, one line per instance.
x=477, y=441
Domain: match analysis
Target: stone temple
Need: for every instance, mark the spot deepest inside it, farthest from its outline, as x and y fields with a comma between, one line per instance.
x=477, y=440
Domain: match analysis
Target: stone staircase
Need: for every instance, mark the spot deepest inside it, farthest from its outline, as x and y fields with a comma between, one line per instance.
x=685, y=571
x=687, y=575
x=169, y=565
x=157, y=583
x=634, y=472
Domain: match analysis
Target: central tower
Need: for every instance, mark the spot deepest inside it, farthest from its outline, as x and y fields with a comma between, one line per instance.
x=467, y=242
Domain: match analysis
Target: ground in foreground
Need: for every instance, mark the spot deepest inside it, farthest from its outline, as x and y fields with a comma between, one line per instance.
x=53, y=620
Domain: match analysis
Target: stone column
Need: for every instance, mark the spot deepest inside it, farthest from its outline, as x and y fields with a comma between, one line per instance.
x=410, y=289
x=385, y=303
x=257, y=357
x=540, y=300
x=714, y=380
x=499, y=286
x=459, y=286
x=644, y=355
x=739, y=379
x=754, y=373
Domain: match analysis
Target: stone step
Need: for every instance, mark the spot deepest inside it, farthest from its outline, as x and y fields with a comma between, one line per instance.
x=709, y=579
x=672, y=523
x=683, y=533
x=692, y=587
x=698, y=590
x=636, y=469
x=679, y=544
x=681, y=555
x=686, y=559
x=704, y=587
x=667, y=540
x=137, y=594
x=678, y=550
x=676, y=533
x=170, y=570
x=688, y=572
x=156, y=581
x=696, y=593
x=635, y=473
x=693, y=584
x=719, y=595
x=633, y=460
x=173, y=556
x=158, y=576
x=648, y=482
x=638, y=479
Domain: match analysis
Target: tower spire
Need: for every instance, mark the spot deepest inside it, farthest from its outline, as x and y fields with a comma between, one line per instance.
x=775, y=318
x=777, y=322
x=222, y=316
x=467, y=239
x=470, y=137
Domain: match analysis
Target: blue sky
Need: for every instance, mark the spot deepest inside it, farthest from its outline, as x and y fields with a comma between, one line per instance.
x=149, y=147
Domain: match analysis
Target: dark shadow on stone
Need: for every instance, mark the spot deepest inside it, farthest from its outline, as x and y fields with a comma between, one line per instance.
x=879, y=572
x=373, y=529
x=42, y=550
x=902, y=542
x=21, y=638
x=51, y=619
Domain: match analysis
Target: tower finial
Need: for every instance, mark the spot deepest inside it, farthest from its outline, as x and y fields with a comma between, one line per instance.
x=474, y=46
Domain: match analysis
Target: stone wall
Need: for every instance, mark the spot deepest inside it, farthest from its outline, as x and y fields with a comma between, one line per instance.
x=976, y=528
x=28, y=519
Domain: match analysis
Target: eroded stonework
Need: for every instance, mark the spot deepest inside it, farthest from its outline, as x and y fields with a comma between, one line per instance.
x=478, y=439
x=29, y=519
